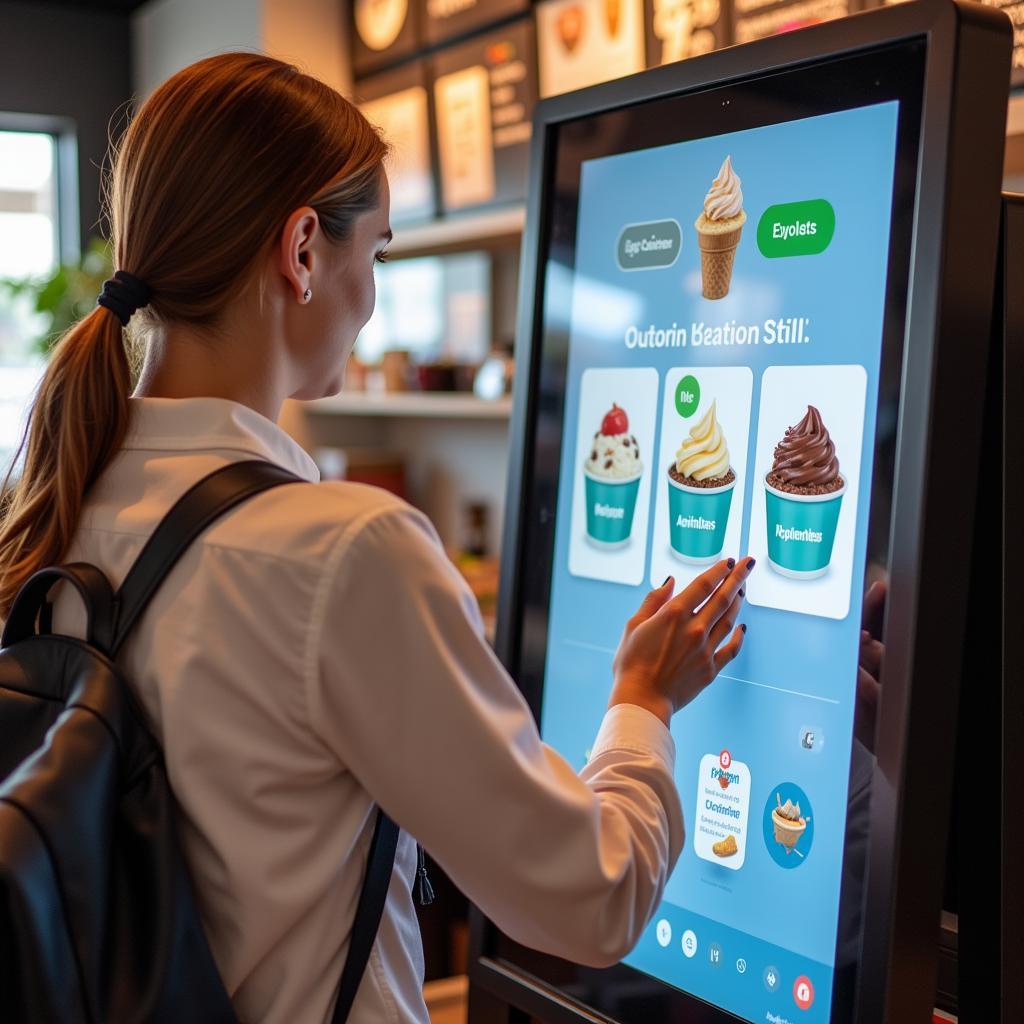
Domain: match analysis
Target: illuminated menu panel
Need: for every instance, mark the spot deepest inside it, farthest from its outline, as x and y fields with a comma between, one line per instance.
x=448, y=19
x=396, y=102
x=582, y=42
x=484, y=94
x=383, y=31
x=755, y=19
x=677, y=29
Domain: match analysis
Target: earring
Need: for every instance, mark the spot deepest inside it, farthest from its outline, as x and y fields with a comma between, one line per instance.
x=307, y=295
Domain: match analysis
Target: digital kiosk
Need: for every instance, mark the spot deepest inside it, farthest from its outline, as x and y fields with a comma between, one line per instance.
x=756, y=295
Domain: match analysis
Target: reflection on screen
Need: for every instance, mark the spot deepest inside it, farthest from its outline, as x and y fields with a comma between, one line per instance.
x=722, y=386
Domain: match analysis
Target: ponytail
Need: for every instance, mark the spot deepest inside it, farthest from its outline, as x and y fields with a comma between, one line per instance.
x=205, y=176
x=76, y=424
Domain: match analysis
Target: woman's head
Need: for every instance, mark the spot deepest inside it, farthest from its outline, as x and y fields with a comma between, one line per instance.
x=239, y=180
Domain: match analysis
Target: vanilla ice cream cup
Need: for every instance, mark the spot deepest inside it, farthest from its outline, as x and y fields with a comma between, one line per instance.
x=610, y=507
x=697, y=518
x=801, y=531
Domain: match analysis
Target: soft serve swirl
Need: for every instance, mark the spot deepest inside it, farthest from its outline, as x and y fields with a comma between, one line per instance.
x=704, y=454
x=724, y=198
x=806, y=454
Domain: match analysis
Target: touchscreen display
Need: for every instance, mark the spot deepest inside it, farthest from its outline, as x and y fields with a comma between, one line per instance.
x=725, y=323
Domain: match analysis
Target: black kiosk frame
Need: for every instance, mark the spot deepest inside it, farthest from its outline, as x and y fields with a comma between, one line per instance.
x=948, y=275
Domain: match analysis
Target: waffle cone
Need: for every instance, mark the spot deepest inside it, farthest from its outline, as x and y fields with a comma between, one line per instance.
x=717, y=255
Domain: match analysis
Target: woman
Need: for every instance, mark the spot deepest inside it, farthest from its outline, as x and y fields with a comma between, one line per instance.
x=315, y=654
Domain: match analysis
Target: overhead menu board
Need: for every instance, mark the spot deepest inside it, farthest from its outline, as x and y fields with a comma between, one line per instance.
x=1014, y=10
x=755, y=19
x=581, y=42
x=397, y=102
x=383, y=31
x=677, y=29
x=447, y=19
x=484, y=94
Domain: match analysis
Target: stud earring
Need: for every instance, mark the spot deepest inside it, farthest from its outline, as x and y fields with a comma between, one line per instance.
x=307, y=295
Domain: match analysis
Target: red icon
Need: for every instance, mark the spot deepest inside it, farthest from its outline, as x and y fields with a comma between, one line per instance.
x=725, y=759
x=803, y=992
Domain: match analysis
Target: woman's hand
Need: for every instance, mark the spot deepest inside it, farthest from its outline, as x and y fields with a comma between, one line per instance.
x=674, y=646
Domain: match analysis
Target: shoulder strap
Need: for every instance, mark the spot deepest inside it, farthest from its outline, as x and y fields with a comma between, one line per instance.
x=379, y=865
x=205, y=502
x=209, y=499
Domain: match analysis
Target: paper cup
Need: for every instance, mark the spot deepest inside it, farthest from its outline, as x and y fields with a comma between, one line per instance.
x=697, y=517
x=610, y=508
x=801, y=531
x=787, y=832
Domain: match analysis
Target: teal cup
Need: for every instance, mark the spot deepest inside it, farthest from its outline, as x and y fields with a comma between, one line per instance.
x=698, y=517
x=610, y=508
x=801, y=531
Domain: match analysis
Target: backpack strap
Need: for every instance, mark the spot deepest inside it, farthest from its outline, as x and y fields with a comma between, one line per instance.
x=202, y=504
x=205, y=502
x=370, y=909
x=31, y=604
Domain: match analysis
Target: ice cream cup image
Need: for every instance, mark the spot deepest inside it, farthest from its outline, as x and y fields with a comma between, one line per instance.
x=803, y=497
x=788, y=824
x=612, y=472
x=697, y=519
x=610, y=508
x=700, y=486
x=719, y=228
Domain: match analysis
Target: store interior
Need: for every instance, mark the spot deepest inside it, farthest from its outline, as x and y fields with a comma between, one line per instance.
x=428, y=397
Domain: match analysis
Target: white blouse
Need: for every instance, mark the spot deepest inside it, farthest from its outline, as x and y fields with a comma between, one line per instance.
x=314, y=654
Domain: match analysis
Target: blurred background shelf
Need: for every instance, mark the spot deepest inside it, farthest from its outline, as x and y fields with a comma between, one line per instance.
x=425, y=405
x=486, y=229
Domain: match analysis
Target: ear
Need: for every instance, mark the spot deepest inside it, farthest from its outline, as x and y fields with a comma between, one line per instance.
x=296, y=256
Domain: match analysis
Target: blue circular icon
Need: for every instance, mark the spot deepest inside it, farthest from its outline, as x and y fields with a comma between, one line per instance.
x=788, y=825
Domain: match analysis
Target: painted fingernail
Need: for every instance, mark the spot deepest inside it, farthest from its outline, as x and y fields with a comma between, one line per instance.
x=742, y=591
x=731, y=562
x=743, y=626
x=751, y=563
x=667, y=578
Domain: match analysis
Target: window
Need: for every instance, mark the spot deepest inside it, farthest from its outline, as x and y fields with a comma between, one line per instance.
x=29, y=248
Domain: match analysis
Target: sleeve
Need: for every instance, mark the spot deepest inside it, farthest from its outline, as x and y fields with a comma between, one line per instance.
x=411, y=698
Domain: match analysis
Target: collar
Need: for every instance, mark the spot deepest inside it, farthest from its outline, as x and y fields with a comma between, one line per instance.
x=213, y=424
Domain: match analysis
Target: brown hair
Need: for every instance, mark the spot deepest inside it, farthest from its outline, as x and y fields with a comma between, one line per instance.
x=204, y=178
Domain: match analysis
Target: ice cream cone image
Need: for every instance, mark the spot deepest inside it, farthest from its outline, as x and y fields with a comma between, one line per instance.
x=570, y=27
x=719, y=228
x=788, y=824
x=613, y=16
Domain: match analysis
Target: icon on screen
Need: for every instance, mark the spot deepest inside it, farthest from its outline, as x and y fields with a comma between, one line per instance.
x=771, y=979
x=715, y=955
x=663, y=933
x=689, y=944
x=741, y=966
x=803, y=992
x=812, y=738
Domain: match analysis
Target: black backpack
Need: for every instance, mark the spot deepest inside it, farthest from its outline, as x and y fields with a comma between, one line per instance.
x=98, y=922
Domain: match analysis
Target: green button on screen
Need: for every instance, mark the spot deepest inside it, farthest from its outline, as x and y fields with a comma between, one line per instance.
x=796, y=229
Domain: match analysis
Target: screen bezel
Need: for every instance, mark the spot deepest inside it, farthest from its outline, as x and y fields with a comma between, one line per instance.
x=901, y=885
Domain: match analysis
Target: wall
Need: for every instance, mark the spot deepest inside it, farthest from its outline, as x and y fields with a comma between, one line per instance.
x=62, y=62
x=168, y=34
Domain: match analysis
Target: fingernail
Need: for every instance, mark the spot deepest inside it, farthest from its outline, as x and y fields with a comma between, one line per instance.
x=751, y=563
x=742, y=591
x=731, y=562
x=667, y=578
x=743, y=626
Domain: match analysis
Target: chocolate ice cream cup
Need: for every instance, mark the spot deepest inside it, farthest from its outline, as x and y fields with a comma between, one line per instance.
x=697, y=518
x=610, y=507
x=801, y=530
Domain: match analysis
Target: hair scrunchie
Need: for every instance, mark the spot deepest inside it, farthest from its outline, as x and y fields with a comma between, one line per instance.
x=123, y=294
